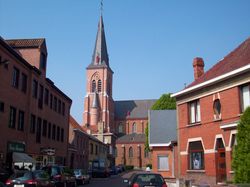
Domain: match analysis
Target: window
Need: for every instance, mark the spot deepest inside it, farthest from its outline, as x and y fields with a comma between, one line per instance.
x=15, y=77
x=162, y=162
x=195, y=115
x=96, y=149
x=99, y=85
x=2, y=107
x=46, y=96
x=12, y=120
x=38, y=130
x=196, y=155
x=134, y=127
x=93, y=85
x=49, y=130
x=50, y=101
x=217, y=107
x=146, y=153
x=245, y=98
x=63, y=109
x=32, y=123
x=42, y=61
x=130, y=152
x=40, y=97
x=62, y=134
x=91, y=148
x=58, y=133
x=120, y=128
x=116, y=152
x=44, y=128
x=21, y=120
x=59, y=106
x=233, y=143
x=55, y=104
x=23, y=83
x=54, y=132
x=34, y=89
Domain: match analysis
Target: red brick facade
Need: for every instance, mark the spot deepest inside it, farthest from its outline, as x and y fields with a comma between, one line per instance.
x=23, y=103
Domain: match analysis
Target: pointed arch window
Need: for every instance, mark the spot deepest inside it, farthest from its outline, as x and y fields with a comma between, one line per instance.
x=130, y=152
x=134, y=127
x=99, y=85
x=93, y=85
x=120, y=128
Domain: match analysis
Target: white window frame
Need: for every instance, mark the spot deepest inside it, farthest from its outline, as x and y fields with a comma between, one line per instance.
x=245, y=97
x=162, y=162
x=195, y=112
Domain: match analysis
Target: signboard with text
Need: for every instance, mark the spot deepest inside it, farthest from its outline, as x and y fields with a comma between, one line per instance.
x=15, y=147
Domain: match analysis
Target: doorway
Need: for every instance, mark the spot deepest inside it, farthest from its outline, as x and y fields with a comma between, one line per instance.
x=221, y=161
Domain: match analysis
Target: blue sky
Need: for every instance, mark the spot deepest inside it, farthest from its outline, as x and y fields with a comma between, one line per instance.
x=151, y=43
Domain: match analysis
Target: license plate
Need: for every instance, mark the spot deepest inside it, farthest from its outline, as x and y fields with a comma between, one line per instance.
x=19, y=185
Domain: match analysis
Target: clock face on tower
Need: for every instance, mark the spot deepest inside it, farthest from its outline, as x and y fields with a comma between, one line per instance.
x=97, y=76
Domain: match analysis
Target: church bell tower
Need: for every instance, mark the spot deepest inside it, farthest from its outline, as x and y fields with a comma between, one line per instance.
x=98, y=102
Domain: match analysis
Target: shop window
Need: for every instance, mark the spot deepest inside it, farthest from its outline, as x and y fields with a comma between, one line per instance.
x=130, y=152
x=162, y=162
x=194, y=110
x=120, y=128
x=217, y=107
x=196, y=155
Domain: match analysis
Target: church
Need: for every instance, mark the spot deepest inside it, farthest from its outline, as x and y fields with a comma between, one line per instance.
x=119, y=124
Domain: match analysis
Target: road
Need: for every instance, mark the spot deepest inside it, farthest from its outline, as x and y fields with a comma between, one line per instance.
x=112, y=181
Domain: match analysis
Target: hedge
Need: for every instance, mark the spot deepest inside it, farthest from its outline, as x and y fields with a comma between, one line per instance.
x=149, y=165
x=128, y=167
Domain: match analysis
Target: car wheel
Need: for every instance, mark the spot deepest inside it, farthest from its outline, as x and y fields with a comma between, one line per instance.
x=65, y=184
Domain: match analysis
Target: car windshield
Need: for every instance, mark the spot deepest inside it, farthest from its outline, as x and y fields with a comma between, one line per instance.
x=76, y=172
x=150, y=178
x=21, y=176
x=102, y=164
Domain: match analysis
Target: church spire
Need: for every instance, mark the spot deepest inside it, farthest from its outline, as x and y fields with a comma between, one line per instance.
x=100, y=55
x=95, y=101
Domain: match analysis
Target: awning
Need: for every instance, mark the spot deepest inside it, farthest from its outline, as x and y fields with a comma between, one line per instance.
x=21, y=157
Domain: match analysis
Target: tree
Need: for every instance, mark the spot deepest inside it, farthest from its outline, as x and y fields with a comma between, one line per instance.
x=241, y=151
x=166, y=102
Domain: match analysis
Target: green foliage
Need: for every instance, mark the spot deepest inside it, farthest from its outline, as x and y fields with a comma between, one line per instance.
x=241, y=151
x=166, y=102
x=129, y=167
x=149, y=165
x=83, y=172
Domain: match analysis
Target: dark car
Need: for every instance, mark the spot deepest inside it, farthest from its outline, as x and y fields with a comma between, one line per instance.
x=82, y=176
x=100, y=168
x=24, y=178
x=119, y=169
x=113, y=170
x=4, y=175
x=64, y=176
x=145, y=179
x=122, y=166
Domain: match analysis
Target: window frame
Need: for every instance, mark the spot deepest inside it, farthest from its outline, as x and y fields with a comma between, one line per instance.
x=161, y=166
x=131, y=153
x=21, y=118
x=34, y=88
x=99, y=85
x=194, y=112
x=12, y=118
x=40, y=96
x=15, y=77
x=32, y=123
x=93, y=86
x=146, y=153
x=134, y=128
x=244, y=97
x=120, y=128
x=46, y=96
x=45, y=124
x=38, y=130
x=192, y=153
x=24, y=79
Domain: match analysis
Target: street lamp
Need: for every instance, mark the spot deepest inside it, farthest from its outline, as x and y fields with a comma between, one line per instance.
x=7, y=61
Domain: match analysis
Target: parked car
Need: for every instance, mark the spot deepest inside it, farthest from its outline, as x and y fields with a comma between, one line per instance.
x=122, y=166
x=4, y=175
x=100, y=168
x=82, y=176
x=36, y=178
x=119, y=169
x=113, y=170
x=64, y=176
x=145, y=179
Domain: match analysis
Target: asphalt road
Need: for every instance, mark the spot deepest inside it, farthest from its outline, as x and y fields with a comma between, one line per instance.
x=112, y=181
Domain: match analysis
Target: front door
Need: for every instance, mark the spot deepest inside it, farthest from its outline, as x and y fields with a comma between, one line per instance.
x=221, y=165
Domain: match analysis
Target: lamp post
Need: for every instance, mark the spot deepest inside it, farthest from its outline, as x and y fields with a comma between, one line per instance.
x=5, y=62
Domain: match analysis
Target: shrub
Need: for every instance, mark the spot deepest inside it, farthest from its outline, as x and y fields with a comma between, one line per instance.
x=149, y=165
x=129, y=167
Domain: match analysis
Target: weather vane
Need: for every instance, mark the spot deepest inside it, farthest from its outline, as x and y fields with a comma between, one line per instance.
x=101, y=6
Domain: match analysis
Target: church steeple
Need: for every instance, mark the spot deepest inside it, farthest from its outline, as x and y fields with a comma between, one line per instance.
x=100, y=54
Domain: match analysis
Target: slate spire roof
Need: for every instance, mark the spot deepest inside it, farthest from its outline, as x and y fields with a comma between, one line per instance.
x=95, y=101
x=100, y=54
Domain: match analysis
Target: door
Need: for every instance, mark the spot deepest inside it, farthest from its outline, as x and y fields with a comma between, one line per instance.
x=221, y=159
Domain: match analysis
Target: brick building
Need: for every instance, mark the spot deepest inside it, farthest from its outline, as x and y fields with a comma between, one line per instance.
x=99, y=106
x=208, y=111
x=34, y=113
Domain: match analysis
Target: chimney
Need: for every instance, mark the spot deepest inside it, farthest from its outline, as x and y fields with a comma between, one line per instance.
x=198, y=65
x=89, y=131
